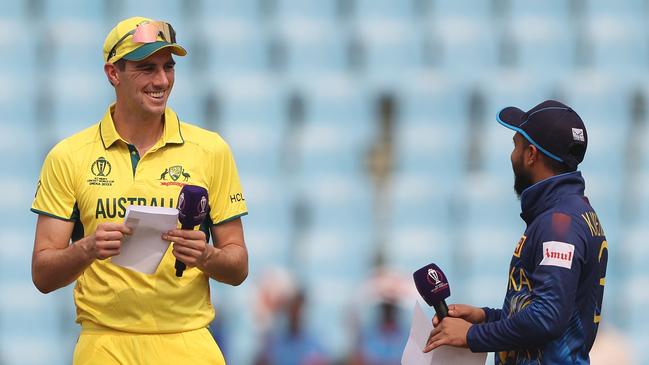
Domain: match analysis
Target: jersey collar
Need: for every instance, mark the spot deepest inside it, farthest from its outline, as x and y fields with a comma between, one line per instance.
x=545, y=194
x=172, y=133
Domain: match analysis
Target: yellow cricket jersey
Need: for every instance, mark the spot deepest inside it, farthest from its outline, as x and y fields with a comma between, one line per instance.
x=92, y=176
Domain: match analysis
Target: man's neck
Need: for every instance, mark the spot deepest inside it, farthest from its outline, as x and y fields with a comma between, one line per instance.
x=140, y=130
x=541, y=174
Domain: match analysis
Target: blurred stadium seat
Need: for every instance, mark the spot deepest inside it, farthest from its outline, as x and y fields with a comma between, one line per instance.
x=619, y=44
x=313, y=10
x=235, y=47
x=57, y=10
x=543, y=45
x=320, y=50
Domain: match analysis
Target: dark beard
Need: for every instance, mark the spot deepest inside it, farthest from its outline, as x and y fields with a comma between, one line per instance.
x=521, y=182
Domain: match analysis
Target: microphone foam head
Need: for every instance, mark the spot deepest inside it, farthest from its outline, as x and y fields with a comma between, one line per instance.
x=192, y=205
x=432, y=284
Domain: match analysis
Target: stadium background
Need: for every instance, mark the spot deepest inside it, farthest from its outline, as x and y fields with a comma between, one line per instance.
x=365, y=136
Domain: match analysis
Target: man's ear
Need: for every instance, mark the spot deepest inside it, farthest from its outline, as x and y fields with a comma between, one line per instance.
x=531, y=154
x=111, y=73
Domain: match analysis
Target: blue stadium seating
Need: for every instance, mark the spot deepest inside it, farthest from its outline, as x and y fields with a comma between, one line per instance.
x=92, y=10
x=316, y=52
x=430, y=135
x=23, y=48
x=337, y=129
x=271, y=214
x=549, y=9
x=467, y=46
x=76, y=45
x=392, y=49
x=543, y=45
x=627, y=8
x=235, y=48
x=481, y=10
x=212, y=11
x=13, y=10
x=618, y=45
x=317, y=10
x=168, y=10
x=252, y=122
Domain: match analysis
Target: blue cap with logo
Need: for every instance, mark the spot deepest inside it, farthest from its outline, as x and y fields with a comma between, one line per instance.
x=553, y=127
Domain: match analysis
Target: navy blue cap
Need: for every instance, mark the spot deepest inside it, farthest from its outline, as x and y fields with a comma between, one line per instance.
x=554, y=128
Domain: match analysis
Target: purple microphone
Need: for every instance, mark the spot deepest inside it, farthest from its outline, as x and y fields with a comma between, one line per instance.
x=192, y=209
x=433, y=286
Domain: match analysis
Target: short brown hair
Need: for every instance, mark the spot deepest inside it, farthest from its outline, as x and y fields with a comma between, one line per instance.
x=120, y=64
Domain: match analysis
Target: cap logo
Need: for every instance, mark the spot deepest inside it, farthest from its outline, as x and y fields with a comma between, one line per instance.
x=578, y=134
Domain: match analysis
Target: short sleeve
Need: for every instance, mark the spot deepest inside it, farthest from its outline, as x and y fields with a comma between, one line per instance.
x=226, y=197
x=55, y=189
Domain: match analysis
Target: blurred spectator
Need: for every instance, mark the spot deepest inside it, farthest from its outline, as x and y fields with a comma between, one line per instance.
x=380, y=331
x=382, y=342
x=274, y=288
x=289, y=342
x=611, y=347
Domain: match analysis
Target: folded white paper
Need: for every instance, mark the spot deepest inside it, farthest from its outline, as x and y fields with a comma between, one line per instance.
x=444, y=355
x=143, y=250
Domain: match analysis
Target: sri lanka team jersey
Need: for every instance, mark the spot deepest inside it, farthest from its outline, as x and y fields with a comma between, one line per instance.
x=94, y=175
x=556, y=281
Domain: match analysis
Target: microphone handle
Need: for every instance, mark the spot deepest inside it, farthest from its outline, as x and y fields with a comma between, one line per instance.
x=180, y=266
x=441, y=309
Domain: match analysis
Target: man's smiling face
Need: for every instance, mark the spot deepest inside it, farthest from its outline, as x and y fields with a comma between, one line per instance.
x=145, y=85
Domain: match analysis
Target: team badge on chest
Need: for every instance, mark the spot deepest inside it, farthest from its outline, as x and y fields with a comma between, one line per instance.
x=171, y=175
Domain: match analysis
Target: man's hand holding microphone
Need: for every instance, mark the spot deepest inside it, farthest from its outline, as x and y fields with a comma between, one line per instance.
x=452, y=322
x=190, y=247
x=452, y=330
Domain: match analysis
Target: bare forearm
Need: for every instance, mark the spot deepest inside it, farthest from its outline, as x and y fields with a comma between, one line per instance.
x=228, y=264
x=55, y=268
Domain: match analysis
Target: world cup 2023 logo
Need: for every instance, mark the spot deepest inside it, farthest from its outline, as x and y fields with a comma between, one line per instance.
x=101, y=167
x=434, y=276
x=181, y=202
x=201, y=207
x=437, y=280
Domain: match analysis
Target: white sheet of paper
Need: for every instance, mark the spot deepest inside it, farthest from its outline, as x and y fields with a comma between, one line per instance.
x=143, y=250
x=444, y=355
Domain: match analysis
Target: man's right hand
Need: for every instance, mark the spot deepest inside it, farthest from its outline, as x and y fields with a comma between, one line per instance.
x=468, y=313
x=106, y=241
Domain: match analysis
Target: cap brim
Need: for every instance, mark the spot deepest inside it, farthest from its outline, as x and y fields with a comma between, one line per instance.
x=511, y=117
x=148, y=49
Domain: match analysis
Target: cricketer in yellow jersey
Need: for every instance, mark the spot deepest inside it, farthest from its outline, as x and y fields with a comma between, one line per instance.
x=140, y=153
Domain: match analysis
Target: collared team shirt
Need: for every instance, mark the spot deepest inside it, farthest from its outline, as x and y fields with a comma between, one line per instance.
x=94, y=175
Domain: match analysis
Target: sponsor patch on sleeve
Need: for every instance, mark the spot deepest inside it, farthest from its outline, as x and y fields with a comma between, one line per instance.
x=557, y=253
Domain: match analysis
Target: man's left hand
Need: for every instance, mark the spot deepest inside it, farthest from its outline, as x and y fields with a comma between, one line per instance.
x=190, y=246
x=451, y=331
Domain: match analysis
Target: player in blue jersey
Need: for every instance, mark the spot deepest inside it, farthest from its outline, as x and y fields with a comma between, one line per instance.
x=557, y=272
